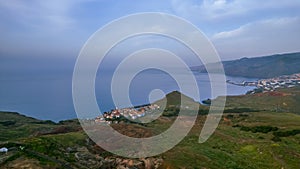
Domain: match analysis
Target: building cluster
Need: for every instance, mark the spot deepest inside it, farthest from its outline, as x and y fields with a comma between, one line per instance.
x=285, y=81
x=271, y=84
x=129, y=113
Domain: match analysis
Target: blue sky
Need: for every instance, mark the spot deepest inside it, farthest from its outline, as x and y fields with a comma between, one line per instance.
x=43, y=30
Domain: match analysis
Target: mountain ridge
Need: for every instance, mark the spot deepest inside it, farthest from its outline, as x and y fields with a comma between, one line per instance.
x=258, y=67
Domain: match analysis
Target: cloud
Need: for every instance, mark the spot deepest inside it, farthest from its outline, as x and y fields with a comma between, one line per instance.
x=241, y=28
x=216, y=10
x=52, y=26
x=40, y=28
x=51, y=15
x=260, y=38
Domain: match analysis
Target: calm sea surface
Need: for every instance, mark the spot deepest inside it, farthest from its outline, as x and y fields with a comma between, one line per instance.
x=50, y=96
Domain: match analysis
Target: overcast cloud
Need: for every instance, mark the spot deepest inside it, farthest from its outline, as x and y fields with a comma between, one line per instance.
x=59, y=28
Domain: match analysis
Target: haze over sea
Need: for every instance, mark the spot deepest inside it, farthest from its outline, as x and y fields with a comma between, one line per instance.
x=49, y=96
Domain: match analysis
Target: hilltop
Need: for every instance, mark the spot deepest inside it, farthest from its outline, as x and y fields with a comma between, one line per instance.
x=281, y=100
x=256, y=131
x=260, y=67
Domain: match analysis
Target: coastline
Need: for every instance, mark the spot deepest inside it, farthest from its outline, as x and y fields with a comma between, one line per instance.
x=270, y=84
x=48, y=99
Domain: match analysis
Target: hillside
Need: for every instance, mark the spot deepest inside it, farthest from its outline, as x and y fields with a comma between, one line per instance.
x=281, y=100
x=260, y=67
x=16, y=126
x=256, y=131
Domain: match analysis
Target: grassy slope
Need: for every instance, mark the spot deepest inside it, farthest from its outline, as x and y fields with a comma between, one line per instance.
x=283, y=100
x=42, y=148
x=14, y=125
x=229, y=147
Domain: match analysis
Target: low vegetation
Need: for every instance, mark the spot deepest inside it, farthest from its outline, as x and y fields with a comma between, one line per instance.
x=252, y=134
x=257, y=129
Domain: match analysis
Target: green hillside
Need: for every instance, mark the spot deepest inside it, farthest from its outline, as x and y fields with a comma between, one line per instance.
x=260, y=67
x=282, y=100
x=14, y=126
x=257, y=131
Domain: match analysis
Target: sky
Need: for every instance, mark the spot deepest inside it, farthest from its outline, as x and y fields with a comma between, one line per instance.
x=40, y=41
x=51, y=33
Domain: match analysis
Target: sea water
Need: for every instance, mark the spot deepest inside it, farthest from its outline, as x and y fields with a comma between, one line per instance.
x=49, y=97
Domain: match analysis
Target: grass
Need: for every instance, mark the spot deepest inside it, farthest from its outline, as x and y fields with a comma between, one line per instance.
x=229, y=146
x=283, y=100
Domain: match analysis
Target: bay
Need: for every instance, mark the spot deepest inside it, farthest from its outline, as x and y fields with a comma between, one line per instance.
x=49, y=97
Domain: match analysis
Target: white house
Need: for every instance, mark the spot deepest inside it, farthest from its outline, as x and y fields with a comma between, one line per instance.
x=3, y=150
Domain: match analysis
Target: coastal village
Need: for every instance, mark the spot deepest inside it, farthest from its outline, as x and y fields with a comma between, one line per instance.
x=133, y=113
x=264, y=85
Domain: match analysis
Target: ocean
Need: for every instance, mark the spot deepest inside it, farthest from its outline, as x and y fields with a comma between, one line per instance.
x=49, y=97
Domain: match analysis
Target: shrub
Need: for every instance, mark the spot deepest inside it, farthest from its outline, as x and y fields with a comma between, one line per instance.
x=8, y=123
x=259, y=129
x=203, y=112
x=286, y=133
x=240, y=110
x=276, y=139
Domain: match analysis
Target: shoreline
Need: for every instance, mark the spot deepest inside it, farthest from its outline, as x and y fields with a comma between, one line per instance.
x=270, y=84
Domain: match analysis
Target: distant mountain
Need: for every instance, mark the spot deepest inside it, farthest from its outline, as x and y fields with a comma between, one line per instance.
x=260, y=67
